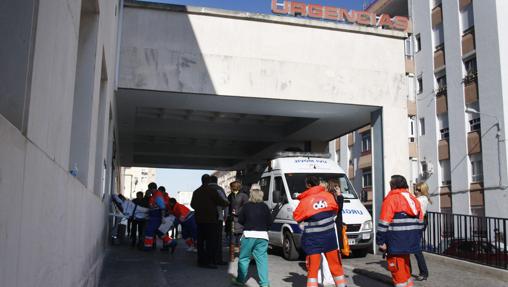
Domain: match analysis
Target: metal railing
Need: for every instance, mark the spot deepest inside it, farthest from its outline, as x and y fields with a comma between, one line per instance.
x=472, y=238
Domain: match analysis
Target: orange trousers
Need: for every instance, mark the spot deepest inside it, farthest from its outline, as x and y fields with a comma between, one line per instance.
x=335, y=264
x=399, y=266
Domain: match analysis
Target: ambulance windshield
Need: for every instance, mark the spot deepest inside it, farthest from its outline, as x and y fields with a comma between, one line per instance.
x=296, y=183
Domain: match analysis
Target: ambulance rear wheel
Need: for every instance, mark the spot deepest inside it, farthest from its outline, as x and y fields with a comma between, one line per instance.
x=289, y=251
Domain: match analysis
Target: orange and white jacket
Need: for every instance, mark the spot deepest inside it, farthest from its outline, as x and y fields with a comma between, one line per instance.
x=400, y=223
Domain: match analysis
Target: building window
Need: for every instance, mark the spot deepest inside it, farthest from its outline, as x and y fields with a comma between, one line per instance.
x=422, y=126
x=445, y=133
x=409, y=47
x=474, y=124
x=473, y=119
x=438, y=36
x=418, y=43
x=441, y=84
x=470, y=66
x=419, y=85
x=476, y=168
x=444, y=172
x=366, y=142
x=366, y=178
x=412, y=128
x=443, y=126
x=466, y=17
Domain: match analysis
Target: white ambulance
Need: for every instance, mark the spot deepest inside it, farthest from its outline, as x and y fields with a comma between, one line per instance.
x=284, y=179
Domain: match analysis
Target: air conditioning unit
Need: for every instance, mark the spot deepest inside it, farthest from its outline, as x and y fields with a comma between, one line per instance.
x=427, y=169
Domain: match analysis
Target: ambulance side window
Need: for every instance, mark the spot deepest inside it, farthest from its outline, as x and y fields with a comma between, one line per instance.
x=279, y=186
x=264, y=183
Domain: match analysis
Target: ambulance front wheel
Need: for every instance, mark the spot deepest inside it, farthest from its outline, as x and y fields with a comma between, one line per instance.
x=289, y=251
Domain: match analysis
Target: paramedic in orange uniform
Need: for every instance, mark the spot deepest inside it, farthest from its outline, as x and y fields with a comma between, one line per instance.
x=317, y=210
x=399, y=230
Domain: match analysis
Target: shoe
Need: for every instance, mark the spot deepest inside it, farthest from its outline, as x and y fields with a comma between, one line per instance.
x=190, y=249
x=234, y=282
x=421, y=278
x=194, y=249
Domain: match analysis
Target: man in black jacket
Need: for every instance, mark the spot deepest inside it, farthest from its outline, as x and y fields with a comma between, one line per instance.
x=205, y=201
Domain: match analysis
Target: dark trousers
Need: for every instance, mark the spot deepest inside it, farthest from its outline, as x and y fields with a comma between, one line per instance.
x=137, y=231
x=422, y=265
x=218, y=253
x=207, y=243
x=339, y=234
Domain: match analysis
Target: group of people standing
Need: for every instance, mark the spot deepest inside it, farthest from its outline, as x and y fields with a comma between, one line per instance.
x=247, y=219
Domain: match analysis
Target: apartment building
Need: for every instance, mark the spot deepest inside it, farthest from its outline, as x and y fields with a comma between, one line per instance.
x=224, y=178
x=460, y=81
x=136, y=179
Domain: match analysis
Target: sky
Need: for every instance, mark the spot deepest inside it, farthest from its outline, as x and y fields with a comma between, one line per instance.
x=260, y=6
x=188, y=180
x=175, y=180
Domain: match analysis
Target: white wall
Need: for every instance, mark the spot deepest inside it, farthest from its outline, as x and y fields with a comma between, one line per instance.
x=53, y=228
x=311, y=61
x=491, y=26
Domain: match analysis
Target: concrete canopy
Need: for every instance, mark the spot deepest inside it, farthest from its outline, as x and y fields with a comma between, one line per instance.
x=208, y=88
x=167, y=129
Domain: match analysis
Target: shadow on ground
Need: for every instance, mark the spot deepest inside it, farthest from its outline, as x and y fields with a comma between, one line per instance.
x=127, y=267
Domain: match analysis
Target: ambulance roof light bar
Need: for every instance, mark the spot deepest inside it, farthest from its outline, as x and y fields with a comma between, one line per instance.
x=302, y=154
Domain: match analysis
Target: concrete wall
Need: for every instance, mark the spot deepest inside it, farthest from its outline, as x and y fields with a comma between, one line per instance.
x=53, y=228
x=491, y=46
x=239, y=54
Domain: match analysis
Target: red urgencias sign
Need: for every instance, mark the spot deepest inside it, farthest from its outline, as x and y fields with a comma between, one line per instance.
x=317, y=11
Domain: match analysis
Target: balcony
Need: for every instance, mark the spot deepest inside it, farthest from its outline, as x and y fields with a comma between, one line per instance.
x=464, y=3
x=365, y=161
x=443, y=150
x=474, y=144
x=411, y=108
x=476, y=194
x=445, y=195
x=441, y=104
x=471, y=91
x=439, y=59
x=468, y=43
x=410, y=65
x=437, y=16
x=413, y=149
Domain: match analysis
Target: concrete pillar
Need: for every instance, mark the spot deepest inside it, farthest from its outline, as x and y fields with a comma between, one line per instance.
x=377, y=166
